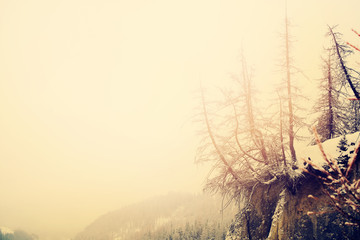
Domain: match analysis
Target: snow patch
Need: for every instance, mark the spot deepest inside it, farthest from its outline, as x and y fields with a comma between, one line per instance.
x=314, y=154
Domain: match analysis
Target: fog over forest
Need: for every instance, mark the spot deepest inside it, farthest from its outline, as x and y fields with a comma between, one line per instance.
x=98, y=99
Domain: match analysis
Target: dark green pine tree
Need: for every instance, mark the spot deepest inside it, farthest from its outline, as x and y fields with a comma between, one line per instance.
x=6, y=236
x=343, y=157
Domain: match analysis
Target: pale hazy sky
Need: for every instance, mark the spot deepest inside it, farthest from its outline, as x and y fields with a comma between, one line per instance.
x=97, y=97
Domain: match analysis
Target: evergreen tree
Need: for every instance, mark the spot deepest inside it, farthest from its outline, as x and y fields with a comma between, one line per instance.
x=343, y=157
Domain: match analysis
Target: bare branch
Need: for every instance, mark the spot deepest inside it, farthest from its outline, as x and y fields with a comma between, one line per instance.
x=230, y=169
x=342, y=64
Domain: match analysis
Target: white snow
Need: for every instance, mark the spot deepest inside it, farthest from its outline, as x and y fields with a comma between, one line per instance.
x=330, y=148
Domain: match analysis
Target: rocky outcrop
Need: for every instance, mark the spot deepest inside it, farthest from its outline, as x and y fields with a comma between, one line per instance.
x=279, y=212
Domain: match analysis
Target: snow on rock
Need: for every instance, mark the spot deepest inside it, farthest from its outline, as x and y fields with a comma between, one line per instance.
x=331, y=149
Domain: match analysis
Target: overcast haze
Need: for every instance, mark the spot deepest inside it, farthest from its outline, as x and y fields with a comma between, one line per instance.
x=97, y=97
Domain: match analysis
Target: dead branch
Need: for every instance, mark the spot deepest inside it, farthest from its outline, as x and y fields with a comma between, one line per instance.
x=342, y=64
x=222, y=157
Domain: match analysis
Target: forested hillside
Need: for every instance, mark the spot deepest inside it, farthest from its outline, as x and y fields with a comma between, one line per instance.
x=173, y=216
x=7, y=234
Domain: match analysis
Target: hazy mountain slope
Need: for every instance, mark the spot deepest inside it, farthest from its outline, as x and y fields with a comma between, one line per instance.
x=8, y=234
x=159, y=216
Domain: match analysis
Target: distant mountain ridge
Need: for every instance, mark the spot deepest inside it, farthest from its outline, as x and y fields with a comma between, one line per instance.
x=170, y=215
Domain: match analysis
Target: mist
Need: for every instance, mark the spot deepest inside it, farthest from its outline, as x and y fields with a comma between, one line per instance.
x=98, y=98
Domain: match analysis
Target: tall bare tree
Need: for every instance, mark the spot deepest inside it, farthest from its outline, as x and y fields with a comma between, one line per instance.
x=332, y=120
x=289, y=87
x=234, y=141
x=341, y=50
x=350, y=80
x=256, y=134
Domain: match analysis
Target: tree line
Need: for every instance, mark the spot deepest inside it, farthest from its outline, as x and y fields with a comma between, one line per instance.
x=17, y=235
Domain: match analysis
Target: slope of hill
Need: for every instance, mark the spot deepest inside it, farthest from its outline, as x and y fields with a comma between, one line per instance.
x=8, y=234
x=173, y=216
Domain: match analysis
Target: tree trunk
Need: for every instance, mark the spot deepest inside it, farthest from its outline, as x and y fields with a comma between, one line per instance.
x=290, y=104
x=330, y=97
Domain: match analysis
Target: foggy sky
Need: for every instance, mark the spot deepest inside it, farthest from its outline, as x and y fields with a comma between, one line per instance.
x=97, y=98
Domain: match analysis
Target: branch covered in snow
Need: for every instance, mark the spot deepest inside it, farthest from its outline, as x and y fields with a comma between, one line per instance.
x=341, y=188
